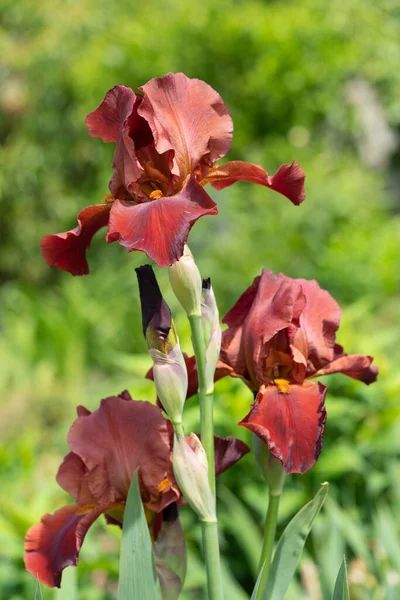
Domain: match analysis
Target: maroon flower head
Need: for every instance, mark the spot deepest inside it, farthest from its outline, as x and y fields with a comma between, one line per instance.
x=168, y=138
x=107, y=446
x=281, y=335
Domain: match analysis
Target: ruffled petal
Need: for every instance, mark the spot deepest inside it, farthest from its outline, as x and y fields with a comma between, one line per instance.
x=233, y=354
x=74, y=477
x=277, y=302
x=356, y=366
x=117, y=120
x=160, y=228
x=67, y=251
x=228, y=451
x=106, y=121
x=115, y=440
x=288, y=180
x=55, y=542
x=291, y=424
x=189, y=117
x=319, y=321
x=240, y=310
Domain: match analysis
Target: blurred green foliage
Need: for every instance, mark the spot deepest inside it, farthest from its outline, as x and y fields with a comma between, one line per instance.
x=282, y=69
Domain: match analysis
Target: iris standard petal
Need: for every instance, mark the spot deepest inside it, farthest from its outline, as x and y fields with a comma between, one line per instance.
x=189, y=117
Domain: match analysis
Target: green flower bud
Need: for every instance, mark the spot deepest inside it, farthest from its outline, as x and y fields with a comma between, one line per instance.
x=170, y=374
x=185, y=281
x=171, y=381
x=212, y=332
x=191, y=473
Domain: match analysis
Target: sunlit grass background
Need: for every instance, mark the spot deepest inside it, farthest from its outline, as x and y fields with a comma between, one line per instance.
x=314, y=81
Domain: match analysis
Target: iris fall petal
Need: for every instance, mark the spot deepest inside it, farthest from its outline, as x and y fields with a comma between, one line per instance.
x=67, y=251
x=160, y=228
x=288, y=180
x=291, y=424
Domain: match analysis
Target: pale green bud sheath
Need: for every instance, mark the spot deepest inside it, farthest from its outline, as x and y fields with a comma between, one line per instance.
x=212, y=332
x=191, y=473
x=169, y=370
x=185, y=280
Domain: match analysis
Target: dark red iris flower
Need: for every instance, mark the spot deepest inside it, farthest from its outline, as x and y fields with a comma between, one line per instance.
x=168, y=138
x=280, y=337
x=107, y=446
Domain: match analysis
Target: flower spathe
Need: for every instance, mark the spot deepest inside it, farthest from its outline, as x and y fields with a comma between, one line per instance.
x=107, y=446
x=282, y=335
x=168, y=138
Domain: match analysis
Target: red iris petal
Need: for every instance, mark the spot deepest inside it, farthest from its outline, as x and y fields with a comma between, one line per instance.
x=189, y=117
x=114, y=441
x=288, y=180
x=160, y=227
x=227, y=452
x=319, y=322
x=67, y=251
x=291, y=424
x=356, y=366
x=54, y=543
x=74, y=477
x=272, y=303
x=240, y=310
x=106, y=121
x=117, y=120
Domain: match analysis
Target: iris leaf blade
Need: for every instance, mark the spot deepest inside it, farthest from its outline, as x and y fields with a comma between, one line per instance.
x=290, y=547
x=38, y=591
x=137, y=577
x=341, y=590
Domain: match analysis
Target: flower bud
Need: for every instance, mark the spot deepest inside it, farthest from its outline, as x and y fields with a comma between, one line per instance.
x=171, y=381
x=191, y=473
x=270, y=467
x=185, y=281
x=170, y=374
x=212, y=332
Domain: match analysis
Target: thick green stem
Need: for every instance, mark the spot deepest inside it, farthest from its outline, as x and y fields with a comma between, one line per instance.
x=211, y=554
x=206, y=399
x=209, y=529
x=268, y=544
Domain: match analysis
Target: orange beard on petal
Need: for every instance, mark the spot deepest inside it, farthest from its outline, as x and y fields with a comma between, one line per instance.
x=155, y=194
x=283, y=386
x=163, y=485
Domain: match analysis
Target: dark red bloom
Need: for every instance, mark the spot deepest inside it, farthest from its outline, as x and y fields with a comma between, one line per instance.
x=168, y=138
x=107, y=446
x=281, y=335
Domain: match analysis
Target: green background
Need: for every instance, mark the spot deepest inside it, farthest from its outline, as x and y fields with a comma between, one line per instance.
x=313, y=81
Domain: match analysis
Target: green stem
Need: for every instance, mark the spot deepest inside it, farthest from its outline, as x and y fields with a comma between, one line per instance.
x=211, y=552
x=209, y=529
x=206, y=399
x=268, y=544
x=178, y=428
